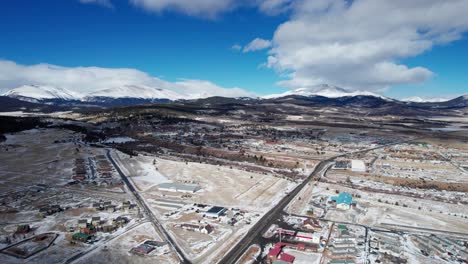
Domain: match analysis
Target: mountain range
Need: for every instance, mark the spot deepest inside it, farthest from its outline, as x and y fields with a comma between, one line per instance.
x=140, y=94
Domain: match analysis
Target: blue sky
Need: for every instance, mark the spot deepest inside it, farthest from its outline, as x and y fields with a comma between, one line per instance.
x=448, y=62
x=171, y=45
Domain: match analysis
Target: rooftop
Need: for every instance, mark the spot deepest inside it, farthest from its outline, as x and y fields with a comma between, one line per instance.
x=216, y=210
x=286, y=257
x=274, y=252
x=179, y=187
x=344, y=197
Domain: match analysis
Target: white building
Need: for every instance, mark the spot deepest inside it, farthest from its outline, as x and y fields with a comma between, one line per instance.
x=176, y=187
x=358, y=165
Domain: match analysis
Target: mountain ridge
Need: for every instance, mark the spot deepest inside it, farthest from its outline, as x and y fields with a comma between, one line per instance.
x=141, y=94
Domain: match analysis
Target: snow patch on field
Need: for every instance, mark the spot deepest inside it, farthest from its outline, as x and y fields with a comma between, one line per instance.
x=118, y=140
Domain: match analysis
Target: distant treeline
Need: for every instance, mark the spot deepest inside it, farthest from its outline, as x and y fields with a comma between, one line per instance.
x=11, y=124
x=90, y=136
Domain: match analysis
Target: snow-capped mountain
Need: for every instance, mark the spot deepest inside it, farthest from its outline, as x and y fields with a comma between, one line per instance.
x=417, y=99
x=324, y=90
x=44, y=92
x=461, y=101
x=138, y=94
x=41, y=92
x=134, y=91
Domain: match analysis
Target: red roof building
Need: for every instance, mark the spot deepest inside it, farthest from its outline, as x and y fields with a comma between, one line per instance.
x=287, y=258
x=274, y=252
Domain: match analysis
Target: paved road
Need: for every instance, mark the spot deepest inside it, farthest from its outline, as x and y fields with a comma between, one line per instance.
x=149, y=213
x=269, y=218
x=275, y=213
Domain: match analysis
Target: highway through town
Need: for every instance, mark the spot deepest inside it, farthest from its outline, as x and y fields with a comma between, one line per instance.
x=270, y=217
x=275, y=213
x=159, y=228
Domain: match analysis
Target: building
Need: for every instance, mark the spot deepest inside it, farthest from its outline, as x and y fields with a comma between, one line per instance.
x=79, y=177
x=341, y=165
x=82, y=223
x=358, y=165
x=342, y=261
x=282, y=231
x=202, y=228
x=285, y=257
x=215, y=211
x=95, y=221
x=98, y=206
x=313, y=238
x=88, y=230
x=169, y=204
x=50, y=210
x=126, y=205
x=273, y=254
x=176, y=187
x=110, y=208
x=298, y=246
x=22, y=229
x=344, y=238
x=343, y=201
x=312, y=224
x=108, y=228
x=142, y=249
x=81, y=237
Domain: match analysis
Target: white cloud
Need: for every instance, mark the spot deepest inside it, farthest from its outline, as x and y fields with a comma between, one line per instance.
x=257, y=44
x=360, y=44
x=198, y=8
x=357, y=44
x=212, y=8
x=104, y=3
x=236, y=47
x=274, y=7
x=86, y=80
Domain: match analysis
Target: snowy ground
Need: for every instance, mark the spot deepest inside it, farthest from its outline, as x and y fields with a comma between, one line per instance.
x=118, y=249
x=221, y=186
x=118, y=140
x=141, y=170
x=375, y=209
x=46, y=156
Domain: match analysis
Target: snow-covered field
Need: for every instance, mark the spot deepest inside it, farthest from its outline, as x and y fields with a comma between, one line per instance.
x=228, y=187
x=118, y=249
x=141, y=170
x=220, y=185
x=31, y=157
x=375, y=209
x=118, y=140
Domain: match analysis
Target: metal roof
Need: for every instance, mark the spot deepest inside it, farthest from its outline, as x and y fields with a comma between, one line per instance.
x=179, y=187
x=343, y=198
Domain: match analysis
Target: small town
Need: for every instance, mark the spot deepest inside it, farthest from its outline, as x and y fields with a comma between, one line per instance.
x=234, y=132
